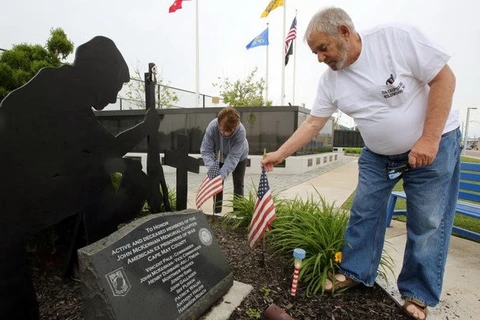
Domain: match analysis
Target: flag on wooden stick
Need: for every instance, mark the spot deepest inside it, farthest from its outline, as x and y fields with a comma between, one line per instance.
x=211, y=185
x=264, y=212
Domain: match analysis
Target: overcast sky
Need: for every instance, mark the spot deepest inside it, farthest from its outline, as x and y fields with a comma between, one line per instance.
x=145, y=32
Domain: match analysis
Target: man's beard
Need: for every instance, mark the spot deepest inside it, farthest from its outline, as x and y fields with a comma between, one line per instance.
x=340, y=63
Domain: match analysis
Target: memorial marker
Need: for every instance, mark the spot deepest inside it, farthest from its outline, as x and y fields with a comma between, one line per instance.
x=162, y=266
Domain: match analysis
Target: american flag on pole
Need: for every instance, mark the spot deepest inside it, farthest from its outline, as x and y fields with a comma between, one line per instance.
x=264, y=212
x=292, y=34
x=289, y=53
x=211, y=185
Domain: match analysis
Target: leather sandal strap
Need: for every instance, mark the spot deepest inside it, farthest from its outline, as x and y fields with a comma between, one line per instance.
x=417, y=303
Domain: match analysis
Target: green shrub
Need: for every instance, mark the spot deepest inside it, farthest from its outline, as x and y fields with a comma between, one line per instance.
x=313, y=225
x=352, y=150
x=313, y=150
x=242, y=208
x=172, y=198
x=317, y=228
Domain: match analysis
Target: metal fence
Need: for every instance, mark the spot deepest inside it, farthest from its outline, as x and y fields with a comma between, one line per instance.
x=185, y=98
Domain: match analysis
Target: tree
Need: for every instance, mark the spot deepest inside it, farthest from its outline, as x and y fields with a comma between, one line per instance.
x=243, y=93
x=19, y=64
x=136, y=92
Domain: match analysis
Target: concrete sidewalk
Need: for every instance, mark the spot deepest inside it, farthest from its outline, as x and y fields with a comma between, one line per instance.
x=461, y=287
x=334, y=186
x=461, y=291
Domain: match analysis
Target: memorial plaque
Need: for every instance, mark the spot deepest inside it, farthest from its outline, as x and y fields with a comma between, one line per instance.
x=162, y=266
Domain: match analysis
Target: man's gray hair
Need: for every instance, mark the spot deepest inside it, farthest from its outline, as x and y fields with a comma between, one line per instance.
x=327, y=21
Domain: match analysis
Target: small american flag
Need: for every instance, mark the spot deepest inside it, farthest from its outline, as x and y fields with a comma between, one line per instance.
x=264, y=212
x=211, y=185
x=292, y=34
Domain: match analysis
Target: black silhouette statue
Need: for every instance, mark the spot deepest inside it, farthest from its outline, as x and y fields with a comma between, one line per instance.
x=154, y=168
x=56, y=159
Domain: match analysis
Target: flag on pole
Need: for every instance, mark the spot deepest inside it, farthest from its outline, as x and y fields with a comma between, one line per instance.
x=260, y=40
x=292, y=34
x=272, y=5
x=264, y=212
x=289, y=53
x=211, y=185
x=175, y=6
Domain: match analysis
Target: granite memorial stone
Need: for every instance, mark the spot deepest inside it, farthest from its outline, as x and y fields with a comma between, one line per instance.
x=162, y=266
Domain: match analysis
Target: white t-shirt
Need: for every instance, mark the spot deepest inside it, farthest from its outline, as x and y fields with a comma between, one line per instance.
x=386, y=89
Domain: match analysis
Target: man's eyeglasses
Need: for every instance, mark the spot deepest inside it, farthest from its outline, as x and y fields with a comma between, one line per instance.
x=395, y=172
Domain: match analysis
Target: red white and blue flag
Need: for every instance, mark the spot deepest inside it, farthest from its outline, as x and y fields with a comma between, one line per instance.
x=264, y=212
x=292, y=35
x=211, y=185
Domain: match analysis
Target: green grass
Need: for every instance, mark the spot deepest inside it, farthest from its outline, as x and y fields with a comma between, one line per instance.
x=461, y=220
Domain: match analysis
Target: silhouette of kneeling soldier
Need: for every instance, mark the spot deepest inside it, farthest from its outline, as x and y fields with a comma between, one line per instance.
x=56, y=159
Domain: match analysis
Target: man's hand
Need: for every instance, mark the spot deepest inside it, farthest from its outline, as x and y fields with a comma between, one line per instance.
x=271, y=159
x=424, y=151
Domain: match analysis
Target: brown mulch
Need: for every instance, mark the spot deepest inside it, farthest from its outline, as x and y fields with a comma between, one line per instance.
x=270, y=276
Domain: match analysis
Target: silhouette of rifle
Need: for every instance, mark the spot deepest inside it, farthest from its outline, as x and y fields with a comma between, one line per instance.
x=154, y=167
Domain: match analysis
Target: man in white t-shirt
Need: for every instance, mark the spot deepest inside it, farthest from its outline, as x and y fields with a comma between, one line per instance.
x=396, y=84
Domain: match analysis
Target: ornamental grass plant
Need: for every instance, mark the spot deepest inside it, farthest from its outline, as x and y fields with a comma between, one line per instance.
x=242, y=208
x=310, y=224
x=316, y=227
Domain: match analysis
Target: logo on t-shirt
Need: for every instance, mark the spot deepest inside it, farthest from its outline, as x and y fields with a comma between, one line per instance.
x=392, y=87
x=390, y=80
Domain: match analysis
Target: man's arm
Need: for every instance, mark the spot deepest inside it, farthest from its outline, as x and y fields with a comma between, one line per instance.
x=207, y=148
x=440, y=97
x=303, y=135
x=126, y=140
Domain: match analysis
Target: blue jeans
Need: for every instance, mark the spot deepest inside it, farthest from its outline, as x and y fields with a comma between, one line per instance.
x=431, y=197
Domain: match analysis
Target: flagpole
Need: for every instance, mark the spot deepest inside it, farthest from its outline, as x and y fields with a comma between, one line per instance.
x=283, y=53
x=263, y=238
x=197, y=82
x=294, y=44
x=266, y=77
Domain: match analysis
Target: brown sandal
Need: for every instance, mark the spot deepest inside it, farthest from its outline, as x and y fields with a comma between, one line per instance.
x=418, y=305
x=338, y=283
